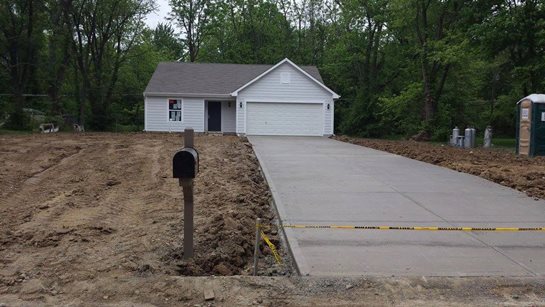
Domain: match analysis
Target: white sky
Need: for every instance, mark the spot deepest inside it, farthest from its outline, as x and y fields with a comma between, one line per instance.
x=159, y=15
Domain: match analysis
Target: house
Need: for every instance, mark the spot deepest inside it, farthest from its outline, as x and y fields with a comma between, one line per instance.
x=281, y=99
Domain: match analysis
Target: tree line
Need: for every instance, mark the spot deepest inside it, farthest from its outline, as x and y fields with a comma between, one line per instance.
x=403, y=67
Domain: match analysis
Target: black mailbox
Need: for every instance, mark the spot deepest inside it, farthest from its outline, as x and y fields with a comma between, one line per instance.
x=185, y=164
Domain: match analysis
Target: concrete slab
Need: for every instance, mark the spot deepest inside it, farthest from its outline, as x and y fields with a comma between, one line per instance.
x=322, y=181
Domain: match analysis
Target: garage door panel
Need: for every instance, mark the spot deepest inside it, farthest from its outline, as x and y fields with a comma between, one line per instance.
x=284, y=119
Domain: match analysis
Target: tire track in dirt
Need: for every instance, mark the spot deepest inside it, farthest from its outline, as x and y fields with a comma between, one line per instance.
x=36, y=177
x=156, y=166
x=112, y=210
x=20, y=161
x=108, y=230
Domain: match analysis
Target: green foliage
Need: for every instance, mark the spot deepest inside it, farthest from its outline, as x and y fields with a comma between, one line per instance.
x=20, y=42
x=18, y=121
x=163, y=40
x=250, y=32
x=398, y=113
x=402, y=67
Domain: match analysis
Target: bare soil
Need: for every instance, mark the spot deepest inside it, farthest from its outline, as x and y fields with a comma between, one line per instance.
x=80, y=207
x=96, y=219
x=498, y=165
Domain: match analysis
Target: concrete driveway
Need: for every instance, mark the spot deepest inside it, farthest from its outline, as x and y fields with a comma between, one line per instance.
x=322, y=181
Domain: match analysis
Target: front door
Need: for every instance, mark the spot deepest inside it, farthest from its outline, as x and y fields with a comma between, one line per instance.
x=214, y=116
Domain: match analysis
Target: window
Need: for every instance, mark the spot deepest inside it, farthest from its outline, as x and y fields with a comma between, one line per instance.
x=175, y=110
x=285, y=77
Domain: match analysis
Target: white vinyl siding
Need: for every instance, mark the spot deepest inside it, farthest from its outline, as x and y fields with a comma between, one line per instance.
x=285, y=119
x=328, y=118
x=285, y=84
x=299, y=87
x=228, y=116
x=193, y=108
x=241, y=115
x=156, y=114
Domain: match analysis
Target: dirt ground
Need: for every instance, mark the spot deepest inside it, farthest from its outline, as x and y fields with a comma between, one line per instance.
x=290, y=291
x=499, y=165
x=96, y=219
x=81, y=207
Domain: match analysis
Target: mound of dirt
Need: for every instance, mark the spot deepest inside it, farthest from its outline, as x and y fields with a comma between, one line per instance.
x=501, y=166
x=226, y=225
x=79, y=208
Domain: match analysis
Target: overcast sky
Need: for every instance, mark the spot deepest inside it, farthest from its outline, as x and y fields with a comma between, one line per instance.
x=159, y=15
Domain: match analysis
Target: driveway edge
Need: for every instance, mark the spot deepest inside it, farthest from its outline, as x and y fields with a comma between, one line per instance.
x=293, y=247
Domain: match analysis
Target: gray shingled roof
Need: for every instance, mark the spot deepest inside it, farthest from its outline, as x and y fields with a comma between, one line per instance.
x=208, y=78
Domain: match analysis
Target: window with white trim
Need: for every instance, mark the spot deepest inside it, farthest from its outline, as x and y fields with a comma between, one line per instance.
x=285, y=77
x=175, y=110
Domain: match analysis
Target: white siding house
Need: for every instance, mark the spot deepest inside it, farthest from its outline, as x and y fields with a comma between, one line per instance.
x=156, y=114
x=283, y=99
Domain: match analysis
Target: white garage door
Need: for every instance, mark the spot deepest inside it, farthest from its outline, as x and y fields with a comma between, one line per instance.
x=284, y=119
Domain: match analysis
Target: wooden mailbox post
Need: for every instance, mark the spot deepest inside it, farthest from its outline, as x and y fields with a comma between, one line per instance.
x=185, y=166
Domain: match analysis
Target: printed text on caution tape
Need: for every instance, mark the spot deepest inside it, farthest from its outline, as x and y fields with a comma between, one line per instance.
x=429, y=228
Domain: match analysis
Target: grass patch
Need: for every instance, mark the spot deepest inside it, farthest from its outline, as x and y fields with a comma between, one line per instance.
x=14, y=132
x=505, y=142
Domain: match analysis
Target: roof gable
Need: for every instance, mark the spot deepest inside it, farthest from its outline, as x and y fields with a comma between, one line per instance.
x=207, y=78
x=286, y=60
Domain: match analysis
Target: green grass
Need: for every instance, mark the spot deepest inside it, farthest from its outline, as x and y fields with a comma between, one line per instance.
x=504, y=142
x=126, y=128
x=499, y=142
x=508, y=144
x=14, y=132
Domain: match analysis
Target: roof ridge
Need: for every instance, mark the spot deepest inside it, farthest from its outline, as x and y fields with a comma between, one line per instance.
x=211, y=78
x=216, y=63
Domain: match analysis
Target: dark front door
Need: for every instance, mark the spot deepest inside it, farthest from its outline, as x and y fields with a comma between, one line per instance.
x=214, y=116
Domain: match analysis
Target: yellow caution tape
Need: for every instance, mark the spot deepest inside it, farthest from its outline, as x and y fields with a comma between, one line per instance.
x=264, y=226
x=278, y=259
x=429, y=228
x=272, y=247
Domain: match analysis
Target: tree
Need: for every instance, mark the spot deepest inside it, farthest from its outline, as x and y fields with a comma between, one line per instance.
x=403, y=67
x=193, y=17
x=433, y=22
x=20, y=42
x=514, y=33
x=105, y=32
x=165, y=40
x=59, y=40
x=135, y=73
x=361, y=57
x=249, y=32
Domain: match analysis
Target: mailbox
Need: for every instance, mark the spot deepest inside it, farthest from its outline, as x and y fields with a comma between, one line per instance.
x=185, y=164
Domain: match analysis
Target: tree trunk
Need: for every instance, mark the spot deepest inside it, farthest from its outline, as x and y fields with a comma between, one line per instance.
x=80, y=99
x=17, y=118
